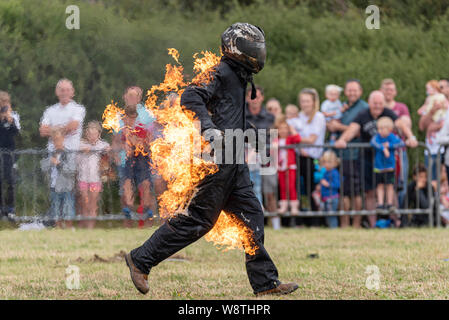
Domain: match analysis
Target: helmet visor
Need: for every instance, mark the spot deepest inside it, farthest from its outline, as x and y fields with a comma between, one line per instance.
x=254, y=50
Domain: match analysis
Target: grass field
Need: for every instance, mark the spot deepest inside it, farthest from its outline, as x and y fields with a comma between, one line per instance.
x=410, y=261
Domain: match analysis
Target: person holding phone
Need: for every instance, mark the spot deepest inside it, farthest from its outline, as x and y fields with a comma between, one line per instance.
x=9, y=129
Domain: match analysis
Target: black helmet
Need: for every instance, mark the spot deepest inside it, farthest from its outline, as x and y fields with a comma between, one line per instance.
x=245, y=44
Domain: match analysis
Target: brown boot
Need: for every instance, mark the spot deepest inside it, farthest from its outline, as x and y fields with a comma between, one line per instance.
x=283, y=288
x=139, y=278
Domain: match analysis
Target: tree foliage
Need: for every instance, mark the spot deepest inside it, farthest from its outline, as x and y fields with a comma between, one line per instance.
x=120, y=43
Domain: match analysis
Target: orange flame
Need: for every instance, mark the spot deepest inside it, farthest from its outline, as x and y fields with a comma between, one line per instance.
x=112, y=116
x=177, y=154
x=140, y=149
x=174, y=53
x=204, y=66
x=232, y=232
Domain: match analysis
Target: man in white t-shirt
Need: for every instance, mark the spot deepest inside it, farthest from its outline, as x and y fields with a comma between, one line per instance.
x=66, y=115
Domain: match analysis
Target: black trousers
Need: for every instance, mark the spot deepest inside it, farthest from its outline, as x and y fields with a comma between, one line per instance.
x=7, y=179
x=230, y=189
x=306, y=171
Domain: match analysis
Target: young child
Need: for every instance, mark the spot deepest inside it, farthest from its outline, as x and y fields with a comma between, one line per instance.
x=330, y=186
x=385, y=142
x=291, y=111
x=274, y=107
x=60, y=167
x=317, y=177
x=434, y=95
x=418, y=196
x=89, y=179
x=287, y=167
x=332, y=108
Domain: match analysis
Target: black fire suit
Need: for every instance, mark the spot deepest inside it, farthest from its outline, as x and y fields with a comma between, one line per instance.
x=230, y=189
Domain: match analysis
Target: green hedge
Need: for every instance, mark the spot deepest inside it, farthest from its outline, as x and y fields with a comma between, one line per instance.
x=119, y=45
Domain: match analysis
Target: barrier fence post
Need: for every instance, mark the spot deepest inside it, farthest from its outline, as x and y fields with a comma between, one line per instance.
x=437, y=191
x=430, y=190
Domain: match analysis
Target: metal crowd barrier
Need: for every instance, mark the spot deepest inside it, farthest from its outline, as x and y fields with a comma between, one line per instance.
x=31, y=188
x=31, y=191
x=359, y=153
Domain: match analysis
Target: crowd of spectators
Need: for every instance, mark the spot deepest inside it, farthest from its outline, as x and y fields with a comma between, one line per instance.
x=339, y=177
x=325, y=175
x=78, y=161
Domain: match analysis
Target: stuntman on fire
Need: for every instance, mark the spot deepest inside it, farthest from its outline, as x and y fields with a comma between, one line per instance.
x=219, y=105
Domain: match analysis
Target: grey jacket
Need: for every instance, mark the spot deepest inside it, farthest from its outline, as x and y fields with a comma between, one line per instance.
x=65, y=171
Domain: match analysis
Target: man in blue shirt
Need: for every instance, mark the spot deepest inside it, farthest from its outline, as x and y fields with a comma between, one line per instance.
x=365, y=126
x=351, y=186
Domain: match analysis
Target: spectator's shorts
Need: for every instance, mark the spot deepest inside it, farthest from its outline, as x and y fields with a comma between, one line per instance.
x=351, y=178
x=433, y=170
x=357, y=177
x=368, y=181
x=137, y=169
x=387, y=177
x=270, y=183
x=91, y=186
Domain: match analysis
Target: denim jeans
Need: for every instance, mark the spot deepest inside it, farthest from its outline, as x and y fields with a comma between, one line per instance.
x=256, y=179
x=433, y=170
x=403, y=178
x=331, y=205
x=62, y=205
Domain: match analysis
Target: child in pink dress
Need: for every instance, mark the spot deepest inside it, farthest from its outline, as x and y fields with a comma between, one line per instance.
x=89, y=180
x=287, y=167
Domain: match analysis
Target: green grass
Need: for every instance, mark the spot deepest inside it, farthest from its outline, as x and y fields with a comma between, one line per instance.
x=411, y=264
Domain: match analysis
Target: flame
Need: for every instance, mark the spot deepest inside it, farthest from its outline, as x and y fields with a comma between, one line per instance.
x=174, y=53
x=140, y=149
x=203, y=67
x=232, y=232
x=112, y=116
x=177, y=154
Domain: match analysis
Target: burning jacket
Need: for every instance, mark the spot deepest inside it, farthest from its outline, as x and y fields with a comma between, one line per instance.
x=220, y=104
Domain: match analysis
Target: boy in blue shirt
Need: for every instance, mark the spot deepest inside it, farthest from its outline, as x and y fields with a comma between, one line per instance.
x=385, y=142
x=330, y=186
